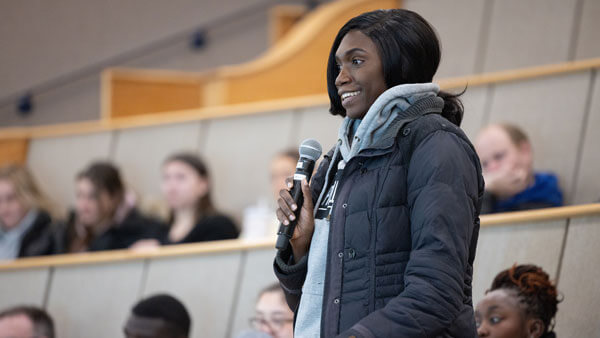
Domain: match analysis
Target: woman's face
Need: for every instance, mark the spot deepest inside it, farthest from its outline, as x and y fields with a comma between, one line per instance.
x=181, y=185
x=273, y=316
x=12, y=209
x=92, y=206
x=499, y=315
x=360, y=80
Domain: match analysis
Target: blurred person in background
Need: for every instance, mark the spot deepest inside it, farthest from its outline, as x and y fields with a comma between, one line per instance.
x=26, y=322
x=105, y=217
x=511, y=184
x=25, y=216
x=260, y=220
x=272, y=316
x=193, y=217
x=521, y=303
x=158, y=316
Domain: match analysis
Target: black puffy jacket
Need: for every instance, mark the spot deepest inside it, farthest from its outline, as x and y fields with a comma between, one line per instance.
x=402, y=238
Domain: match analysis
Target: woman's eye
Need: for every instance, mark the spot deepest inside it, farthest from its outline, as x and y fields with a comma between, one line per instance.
x=357, y=61
x=495, y=320
x=338, y=66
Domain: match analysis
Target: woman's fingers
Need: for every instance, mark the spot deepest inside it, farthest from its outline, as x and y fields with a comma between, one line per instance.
x=282, y=217
x=285, y=207
x=287, y=197
x=308, y=203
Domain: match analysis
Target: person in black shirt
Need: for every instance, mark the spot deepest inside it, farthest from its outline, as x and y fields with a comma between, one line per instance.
x=104, y=217
x=193, y=217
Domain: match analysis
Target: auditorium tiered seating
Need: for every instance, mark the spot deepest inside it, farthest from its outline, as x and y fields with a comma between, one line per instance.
x=90, y=294
x=532, y=63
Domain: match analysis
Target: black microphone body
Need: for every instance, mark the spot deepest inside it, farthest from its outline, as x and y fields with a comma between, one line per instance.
x=304, y=170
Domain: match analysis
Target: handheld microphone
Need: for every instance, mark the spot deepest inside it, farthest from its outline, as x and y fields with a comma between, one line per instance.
x=310, y=150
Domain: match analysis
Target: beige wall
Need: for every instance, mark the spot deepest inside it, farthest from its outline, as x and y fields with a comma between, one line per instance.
x=42, y=41
x=578, y=313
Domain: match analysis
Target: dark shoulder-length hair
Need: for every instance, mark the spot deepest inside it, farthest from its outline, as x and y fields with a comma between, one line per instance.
x=204, y=205
x=409, y=49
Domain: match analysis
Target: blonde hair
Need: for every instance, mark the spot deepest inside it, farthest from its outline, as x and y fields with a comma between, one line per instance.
x=26, y=188
x=516, y=134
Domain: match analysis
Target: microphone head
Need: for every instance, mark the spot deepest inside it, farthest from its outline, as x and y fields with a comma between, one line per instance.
x=311, y=149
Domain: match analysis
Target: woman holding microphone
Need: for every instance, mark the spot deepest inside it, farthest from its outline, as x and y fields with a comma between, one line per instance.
x=385, y=239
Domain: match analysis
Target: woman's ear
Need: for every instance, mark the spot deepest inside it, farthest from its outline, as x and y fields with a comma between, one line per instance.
x=203, y=186
x=535, y=328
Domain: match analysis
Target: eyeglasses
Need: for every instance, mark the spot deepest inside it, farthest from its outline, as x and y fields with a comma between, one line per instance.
x=274, y=323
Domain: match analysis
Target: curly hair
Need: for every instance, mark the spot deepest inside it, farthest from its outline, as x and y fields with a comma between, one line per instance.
x=535, y=292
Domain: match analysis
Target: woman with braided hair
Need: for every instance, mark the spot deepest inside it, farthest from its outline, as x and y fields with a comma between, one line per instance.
x=522, y=302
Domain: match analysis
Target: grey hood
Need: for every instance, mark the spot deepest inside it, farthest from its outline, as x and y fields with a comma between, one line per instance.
x=380, y=125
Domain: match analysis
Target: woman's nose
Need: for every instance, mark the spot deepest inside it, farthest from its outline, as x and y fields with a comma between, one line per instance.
x=342, y=78
x=482, y=331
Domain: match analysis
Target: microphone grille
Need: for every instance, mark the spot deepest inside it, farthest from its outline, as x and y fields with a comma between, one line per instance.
x=311, y=149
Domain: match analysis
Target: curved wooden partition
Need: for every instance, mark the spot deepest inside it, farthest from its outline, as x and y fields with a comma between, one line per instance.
x=127, y=92
x=13, y=151
x=293, y=67
x=296, y=65
x=89, y=295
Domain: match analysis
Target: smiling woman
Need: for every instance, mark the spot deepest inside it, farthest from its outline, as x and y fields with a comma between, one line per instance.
x=385, y=240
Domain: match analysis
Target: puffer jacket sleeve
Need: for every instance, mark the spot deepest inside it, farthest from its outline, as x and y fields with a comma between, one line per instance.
x=444, y=184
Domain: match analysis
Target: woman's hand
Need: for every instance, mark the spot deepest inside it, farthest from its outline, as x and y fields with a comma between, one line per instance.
x=305, y=227
x=145, y=245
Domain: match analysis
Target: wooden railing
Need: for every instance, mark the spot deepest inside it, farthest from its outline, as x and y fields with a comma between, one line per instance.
x=491, y=220
x=230, y=110
x=90, y=294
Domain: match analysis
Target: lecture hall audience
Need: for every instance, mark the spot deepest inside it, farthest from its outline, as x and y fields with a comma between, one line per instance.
x=522, y=302
x=26, y=322
x=25, y=222
x=511, y=183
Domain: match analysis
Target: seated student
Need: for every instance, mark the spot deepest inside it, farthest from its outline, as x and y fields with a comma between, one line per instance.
x=104, y=219
x=522, y=302
x=193, y=217
x=159, y=316
x=273, y=316
x=510, y=181
x=26, y=322
x=260, y=219
x=25, y=223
